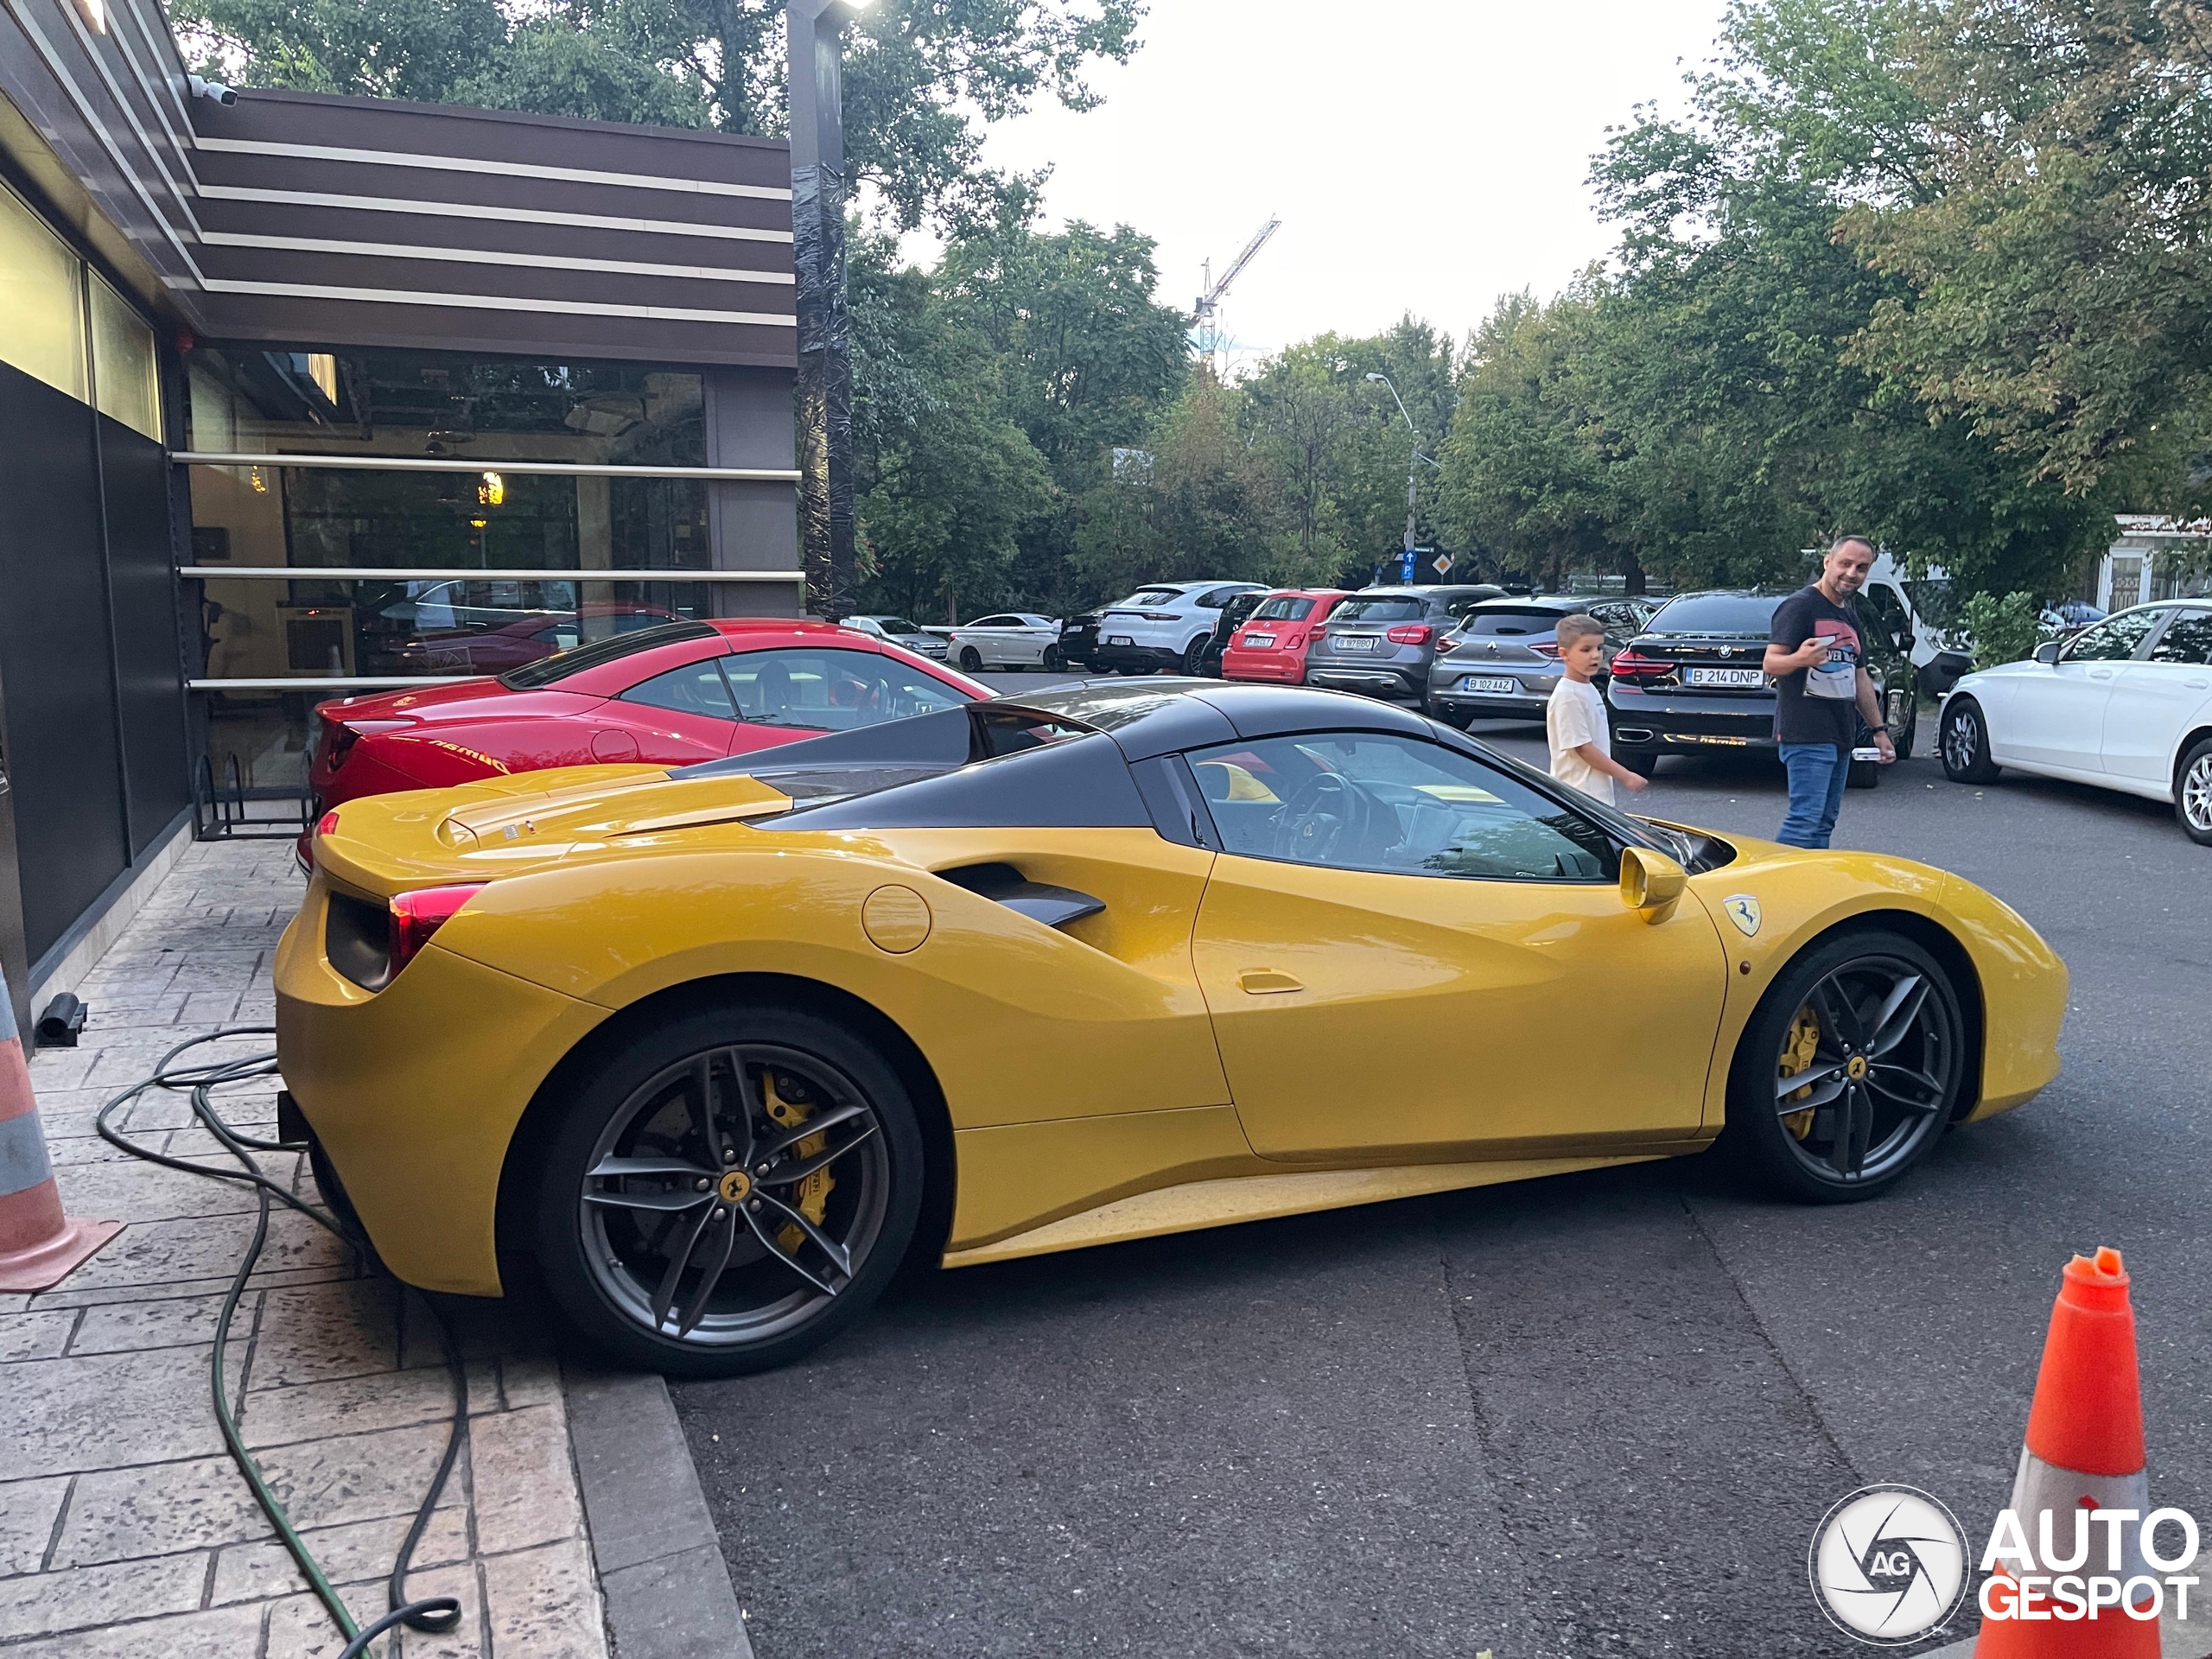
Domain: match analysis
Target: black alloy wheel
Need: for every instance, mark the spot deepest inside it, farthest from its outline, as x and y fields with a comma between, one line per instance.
x=1053, y=662
x=726, y=1191
x=970, y=659
x=1194, y=657
x=2193, y=792
x=1962, y=737
x=1850, y=1071
x=1901, y=709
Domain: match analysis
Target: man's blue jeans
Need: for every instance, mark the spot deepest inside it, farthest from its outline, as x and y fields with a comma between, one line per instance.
x=1818, y=773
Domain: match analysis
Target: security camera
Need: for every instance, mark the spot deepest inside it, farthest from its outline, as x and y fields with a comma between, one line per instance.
x=202, y=87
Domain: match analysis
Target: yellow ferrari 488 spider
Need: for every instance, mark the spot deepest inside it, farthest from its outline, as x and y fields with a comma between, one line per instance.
x=720, y=1048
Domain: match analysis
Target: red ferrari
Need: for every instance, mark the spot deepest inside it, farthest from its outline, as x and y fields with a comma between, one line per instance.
x=1271, y=646
x=667, y=695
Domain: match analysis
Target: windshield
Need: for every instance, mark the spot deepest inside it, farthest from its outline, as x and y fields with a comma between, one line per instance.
x=1152, y=596
x=1501, y=623
x=599, y=653
x=1716, y=613
x=1398, y=608
x=1284, y=610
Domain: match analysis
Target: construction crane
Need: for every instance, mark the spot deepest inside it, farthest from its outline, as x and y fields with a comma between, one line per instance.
x=1206, y=317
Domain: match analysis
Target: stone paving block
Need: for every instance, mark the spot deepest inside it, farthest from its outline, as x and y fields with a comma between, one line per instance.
x=101, y=1411
x=35, y=1336
x=41, y=1604
x=465, y=1640
x=147, y=1192
x=524, y=1481
x=207, y=1247
x=69, y=1295
x=361, y=1553
x=545, y=1603
x=223, y=1633
x=301, y=1627
x=348, y=1328
x=530, y=1380
x=27, y=1509
x=354, y=1404
x=356, y=1476
x=118, y=1514
x=134, y=1327
x=86, y=1149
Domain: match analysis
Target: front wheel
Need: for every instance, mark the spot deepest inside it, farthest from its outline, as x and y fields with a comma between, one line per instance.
x=1963, y=737
x=970, y=659
x=727, y=1190
x=2193, y=793
x=1849, y=1071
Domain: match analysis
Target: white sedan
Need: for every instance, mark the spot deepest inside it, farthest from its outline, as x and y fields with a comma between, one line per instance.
x=2126, y=704
x=1009, y=639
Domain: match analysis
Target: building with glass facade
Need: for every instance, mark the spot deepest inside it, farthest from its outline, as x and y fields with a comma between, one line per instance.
x=304, y=395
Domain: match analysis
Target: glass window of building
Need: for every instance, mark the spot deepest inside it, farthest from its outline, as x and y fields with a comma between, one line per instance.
x=126, y=369
x=42, y=288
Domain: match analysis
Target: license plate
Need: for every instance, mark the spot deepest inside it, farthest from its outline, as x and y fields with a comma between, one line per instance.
x=1353, y=642
x=1745, y=677
x=1489, y=686
x=1119, y=639
x=1259, y=641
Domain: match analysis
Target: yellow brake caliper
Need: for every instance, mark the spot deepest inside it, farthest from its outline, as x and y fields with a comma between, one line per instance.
x=1797, y=1051
x=813, y=1195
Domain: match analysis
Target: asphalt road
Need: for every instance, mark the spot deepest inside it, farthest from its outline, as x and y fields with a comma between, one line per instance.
x=1598, y=1415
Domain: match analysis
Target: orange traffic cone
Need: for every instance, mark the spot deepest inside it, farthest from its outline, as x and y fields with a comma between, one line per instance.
x=39, y=1245
x=2084, y=1452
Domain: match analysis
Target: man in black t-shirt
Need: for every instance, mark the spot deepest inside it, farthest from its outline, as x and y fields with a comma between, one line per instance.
x=1823, y=692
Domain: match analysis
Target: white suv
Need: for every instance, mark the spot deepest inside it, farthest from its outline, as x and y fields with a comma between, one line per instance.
x=1165, y=625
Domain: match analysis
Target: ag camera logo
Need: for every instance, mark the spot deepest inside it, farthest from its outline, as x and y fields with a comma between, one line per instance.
x=1889, y=1564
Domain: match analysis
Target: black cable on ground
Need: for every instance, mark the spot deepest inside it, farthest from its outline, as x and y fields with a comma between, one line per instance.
x=435, y=1614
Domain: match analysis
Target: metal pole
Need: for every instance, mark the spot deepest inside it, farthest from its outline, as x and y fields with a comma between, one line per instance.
x=824, y=387
x=1413, y=464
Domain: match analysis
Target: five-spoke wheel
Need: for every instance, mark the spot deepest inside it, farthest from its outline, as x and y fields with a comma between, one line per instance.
x=2193, y=793
x=726, y=1190
x=1850, y=1069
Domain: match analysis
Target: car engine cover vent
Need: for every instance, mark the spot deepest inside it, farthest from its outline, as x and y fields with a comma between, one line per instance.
x=1005, y=884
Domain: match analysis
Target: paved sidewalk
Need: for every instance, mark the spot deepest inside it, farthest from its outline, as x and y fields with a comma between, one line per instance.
x=124, y=1529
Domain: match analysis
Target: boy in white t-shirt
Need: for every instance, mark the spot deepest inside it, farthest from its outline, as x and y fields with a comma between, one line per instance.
x=1581, y=736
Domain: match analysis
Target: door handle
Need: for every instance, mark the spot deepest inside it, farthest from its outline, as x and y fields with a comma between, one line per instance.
x=1263, y=981
x=2196, y=685
x=2101, y=673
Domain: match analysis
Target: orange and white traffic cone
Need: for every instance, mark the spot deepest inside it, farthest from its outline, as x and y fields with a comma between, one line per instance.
x=2084, y=1453
x=39, y=1244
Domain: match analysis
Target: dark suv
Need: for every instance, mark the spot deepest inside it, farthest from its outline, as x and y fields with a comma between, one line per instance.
x=1381, y=640
x=1691, y=681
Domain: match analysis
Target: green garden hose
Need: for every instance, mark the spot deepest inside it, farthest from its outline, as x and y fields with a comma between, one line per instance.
x=436, y=1614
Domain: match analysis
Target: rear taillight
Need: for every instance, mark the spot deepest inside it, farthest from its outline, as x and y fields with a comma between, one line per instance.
x=1542, y=649
x=1629, y=666
x=1291, y=642
x=418, y=914
x=339, y=744
x=327, y=824
x=1412, y=634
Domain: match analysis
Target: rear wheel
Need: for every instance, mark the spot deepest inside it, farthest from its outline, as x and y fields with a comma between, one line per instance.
x=1053, y=662
x=1194, y=656
x=970, y=659
x=726, y=1191
x=2193, y=792
x=1850, y=1069
x=1903, y=712
x=1963, y=737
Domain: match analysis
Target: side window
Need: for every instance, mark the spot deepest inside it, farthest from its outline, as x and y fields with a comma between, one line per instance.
x=2188, y=639
x=1376, y=801
x=694, y=688
x=995, y=622
x=1888, y=610
x=830, y=690
x=2114, y=639
x=1212, y=602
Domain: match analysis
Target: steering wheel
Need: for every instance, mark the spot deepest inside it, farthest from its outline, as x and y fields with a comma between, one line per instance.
x=1329, y=816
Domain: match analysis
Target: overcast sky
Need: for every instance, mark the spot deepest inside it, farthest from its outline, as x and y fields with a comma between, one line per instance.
x=1423, y=155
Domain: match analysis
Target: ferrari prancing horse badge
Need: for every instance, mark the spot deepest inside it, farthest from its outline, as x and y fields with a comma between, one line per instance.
x=1743, y=911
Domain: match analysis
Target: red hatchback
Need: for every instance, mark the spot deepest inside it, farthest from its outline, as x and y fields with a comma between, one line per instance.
x=666, y=696
x=1271, y=646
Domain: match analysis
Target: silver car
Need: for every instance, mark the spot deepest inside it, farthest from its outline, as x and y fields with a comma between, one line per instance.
x=1381, y=639
x=1502, y=663
x=899, y=632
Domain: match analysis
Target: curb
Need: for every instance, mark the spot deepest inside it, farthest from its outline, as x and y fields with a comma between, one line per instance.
x=661, y=1571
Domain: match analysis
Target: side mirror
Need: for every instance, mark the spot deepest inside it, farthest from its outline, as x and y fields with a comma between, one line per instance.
x=2047, y=653
x=1651, y=883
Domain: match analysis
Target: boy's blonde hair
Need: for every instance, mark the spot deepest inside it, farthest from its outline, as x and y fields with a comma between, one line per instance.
x=1574, y=629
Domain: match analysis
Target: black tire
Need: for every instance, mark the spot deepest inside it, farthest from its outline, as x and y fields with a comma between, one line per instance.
x=1645, y=763
x=971, y=660
x=2193, y=792
x=605, y=1260
x=1053, y=662
x=1962, y=739
x=1843, y=982
x=1904, y=715
x=1194, y=657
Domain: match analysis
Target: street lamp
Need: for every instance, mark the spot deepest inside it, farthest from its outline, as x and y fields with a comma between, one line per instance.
x=1413, y=476
x=824, y=387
